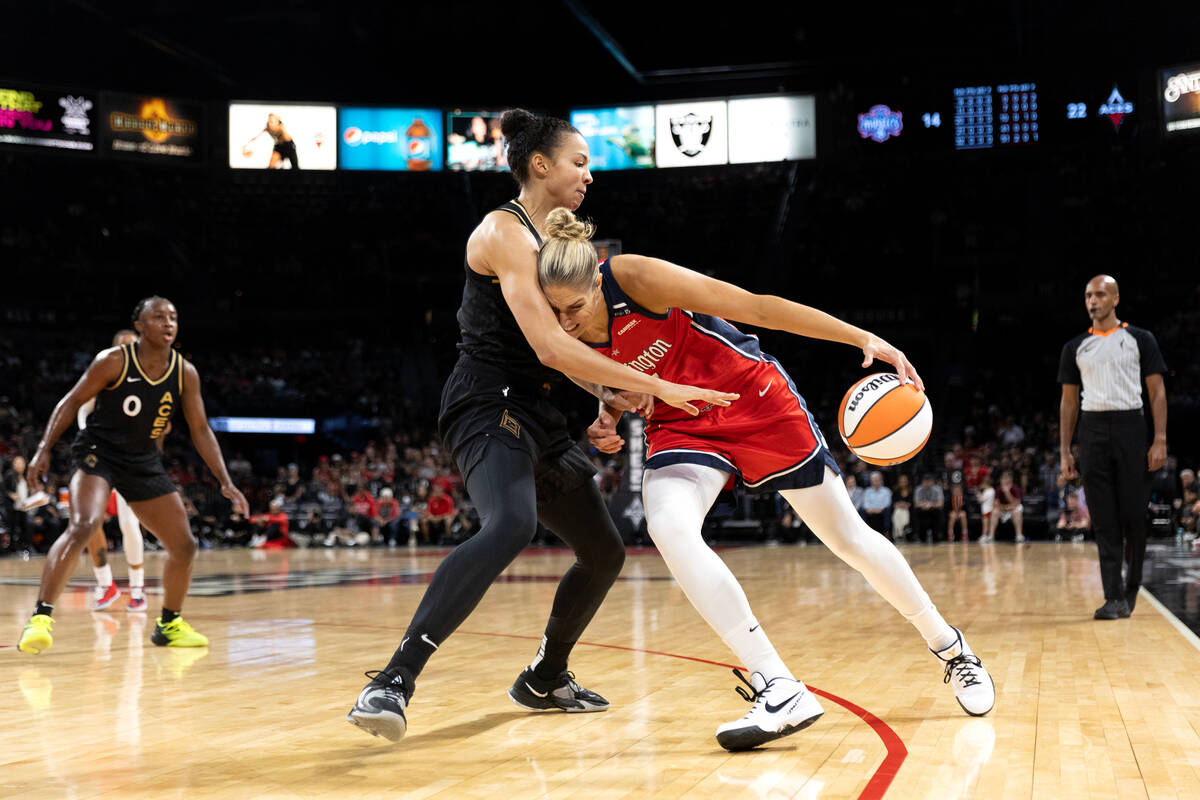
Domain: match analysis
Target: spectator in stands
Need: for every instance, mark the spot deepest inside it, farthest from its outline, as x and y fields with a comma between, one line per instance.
x=975, y=472
x=364, y=512
x=271, y=529
x=390, y=521
x=855, y=491
x=987, y=506
x=1010, y=433
x=928, y=500
x=902, y=497
x=1073, y=521
x=439, y=513
x=294, y=488
x=876, y=503
x=240, y=468
x=1008, y=505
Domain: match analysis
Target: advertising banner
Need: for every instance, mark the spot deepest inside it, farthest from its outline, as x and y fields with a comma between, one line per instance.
x=407, y=139
x=153, y=127
x=772, y=129
x=59, y=118
x=691, y=133
x=618, y=138
x=282, y=136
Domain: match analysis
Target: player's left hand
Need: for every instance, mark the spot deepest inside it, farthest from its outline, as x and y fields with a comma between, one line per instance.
x=878, y=348
x=1157, y=456
x=602, y=434
x=235, y=496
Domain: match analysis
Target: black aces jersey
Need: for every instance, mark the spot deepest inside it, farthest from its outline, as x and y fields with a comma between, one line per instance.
x=488, y=329
x=132, y=414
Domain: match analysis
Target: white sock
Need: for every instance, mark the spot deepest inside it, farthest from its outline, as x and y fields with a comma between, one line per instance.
x=826, y=509
x=137, y=580
x=103, y=575
x=676, y=498
x=755, y=650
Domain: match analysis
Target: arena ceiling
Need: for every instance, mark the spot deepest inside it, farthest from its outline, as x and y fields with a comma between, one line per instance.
x=554, y=53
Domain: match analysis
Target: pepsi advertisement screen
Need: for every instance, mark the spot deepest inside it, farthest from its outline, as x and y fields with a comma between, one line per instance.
x=58, y=118
x=405, y=139
x=618, y=138
x=1181, y=99
x=153, y=127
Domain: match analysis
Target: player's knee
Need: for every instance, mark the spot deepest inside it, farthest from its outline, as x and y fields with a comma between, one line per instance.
x=82, y=529
x=610, y=558
x=182, y=547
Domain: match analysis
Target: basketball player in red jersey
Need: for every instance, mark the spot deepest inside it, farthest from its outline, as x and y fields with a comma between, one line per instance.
x=131, y=531
x=666, y=320
x=137, y=388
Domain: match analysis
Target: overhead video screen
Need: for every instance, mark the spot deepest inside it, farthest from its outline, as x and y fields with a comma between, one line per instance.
x=152, y=127
x=772, y=129
x=474, y=141
x=1181, y=99
x=58, y=118
x=405, y=139
x=282, y=136
x=691, y=133
x=620, y=137
x=1003, y=115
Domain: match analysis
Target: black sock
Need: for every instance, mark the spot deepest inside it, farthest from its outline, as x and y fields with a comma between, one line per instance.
x=44, y=608
x=414, y=650
x=552, y=658
x=168, y=615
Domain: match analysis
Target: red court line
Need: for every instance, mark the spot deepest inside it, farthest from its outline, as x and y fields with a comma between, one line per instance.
x=882, y=778
x=884, y=774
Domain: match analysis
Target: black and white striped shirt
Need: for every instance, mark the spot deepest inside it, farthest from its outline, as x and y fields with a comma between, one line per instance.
x=1111, y=366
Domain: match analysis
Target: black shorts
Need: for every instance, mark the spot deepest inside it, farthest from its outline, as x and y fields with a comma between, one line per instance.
x=481, y=405
x=135, y=476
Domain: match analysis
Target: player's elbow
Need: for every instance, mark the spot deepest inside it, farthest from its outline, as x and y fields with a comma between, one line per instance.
x=548, y=355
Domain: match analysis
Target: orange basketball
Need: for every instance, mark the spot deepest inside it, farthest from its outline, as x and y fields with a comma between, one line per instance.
x=885, y=422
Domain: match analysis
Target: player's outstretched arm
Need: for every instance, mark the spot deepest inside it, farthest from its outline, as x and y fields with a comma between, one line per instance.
x=556, y=349
x=105, y=370
x=658, y=285
x=204, y=439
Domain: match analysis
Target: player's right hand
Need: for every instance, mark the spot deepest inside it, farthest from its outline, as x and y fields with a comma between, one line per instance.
x=681, y=396
x=1067, y=469
x=35, y=472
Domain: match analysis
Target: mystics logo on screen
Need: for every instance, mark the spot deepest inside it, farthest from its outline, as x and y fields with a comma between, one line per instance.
x=880, y=123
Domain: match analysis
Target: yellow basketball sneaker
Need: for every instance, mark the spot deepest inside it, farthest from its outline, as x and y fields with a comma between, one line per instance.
x=176, y=633
x=36, y=636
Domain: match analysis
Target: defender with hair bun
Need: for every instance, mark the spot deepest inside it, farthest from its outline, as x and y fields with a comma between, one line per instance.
x=519, y=463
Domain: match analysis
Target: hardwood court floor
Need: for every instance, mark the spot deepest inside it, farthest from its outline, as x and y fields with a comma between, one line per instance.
x=1084, y=709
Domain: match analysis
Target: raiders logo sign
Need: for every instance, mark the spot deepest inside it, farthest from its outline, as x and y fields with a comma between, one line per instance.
x=690, y=133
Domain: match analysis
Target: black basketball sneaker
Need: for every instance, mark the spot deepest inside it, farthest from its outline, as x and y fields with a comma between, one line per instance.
x=379, y=709
x=561, y=692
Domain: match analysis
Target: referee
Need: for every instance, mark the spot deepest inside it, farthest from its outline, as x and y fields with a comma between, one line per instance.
x=1108, y=364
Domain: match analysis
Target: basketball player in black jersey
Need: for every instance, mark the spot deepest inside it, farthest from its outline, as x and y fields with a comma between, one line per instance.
x=137, y=388
x=511, y=445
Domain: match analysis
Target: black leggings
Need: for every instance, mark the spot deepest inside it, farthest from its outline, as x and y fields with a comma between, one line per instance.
x=502, y=488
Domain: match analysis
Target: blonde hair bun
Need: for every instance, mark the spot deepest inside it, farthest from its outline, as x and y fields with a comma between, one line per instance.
x=562, y=224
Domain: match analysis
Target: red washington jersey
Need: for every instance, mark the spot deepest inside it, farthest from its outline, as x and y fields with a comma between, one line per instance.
x=767, y=437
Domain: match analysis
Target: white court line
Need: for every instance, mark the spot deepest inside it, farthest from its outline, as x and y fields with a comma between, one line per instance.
x=1171, y=618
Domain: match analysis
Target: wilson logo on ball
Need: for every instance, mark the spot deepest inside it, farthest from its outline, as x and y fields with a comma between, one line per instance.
x=884, y=422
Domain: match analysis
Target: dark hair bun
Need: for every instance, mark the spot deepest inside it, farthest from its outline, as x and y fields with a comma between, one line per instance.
x=516, y=121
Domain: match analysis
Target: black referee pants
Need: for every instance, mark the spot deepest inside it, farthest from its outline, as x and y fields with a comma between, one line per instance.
x=1116, y=480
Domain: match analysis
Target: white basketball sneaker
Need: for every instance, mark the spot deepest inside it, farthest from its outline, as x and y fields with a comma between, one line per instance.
x=781, y=706
x=973, y=686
